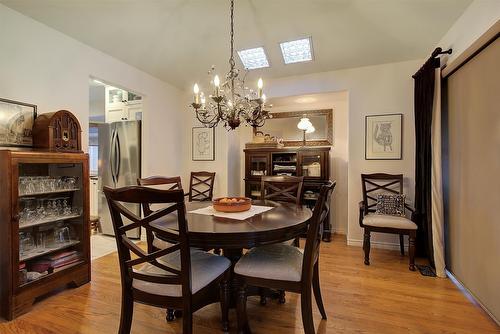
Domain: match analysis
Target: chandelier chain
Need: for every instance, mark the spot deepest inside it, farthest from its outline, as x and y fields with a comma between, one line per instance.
x=231, y=59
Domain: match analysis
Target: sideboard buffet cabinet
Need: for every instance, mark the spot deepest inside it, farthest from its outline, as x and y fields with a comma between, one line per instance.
x=310, y=162
x=44, y=229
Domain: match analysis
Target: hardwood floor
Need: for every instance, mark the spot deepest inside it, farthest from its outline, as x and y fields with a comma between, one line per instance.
x=382, y=298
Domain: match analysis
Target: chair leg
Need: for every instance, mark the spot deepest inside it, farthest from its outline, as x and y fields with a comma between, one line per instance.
x=241, y=310
x=126, y=313
x=263, y=298
x=281, y=297
x=411, y=249
x=187, y=321
x=224, y=304
x=306, y=308
x=170, y=316
x=317, y=290
x=296, y=242
x=366, y=246
x=402, y=244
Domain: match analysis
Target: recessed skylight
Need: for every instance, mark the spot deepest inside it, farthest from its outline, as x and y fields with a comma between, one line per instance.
x=253, y=58
x=296, y=51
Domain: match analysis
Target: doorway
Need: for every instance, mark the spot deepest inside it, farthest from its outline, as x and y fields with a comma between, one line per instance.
x=115, y=122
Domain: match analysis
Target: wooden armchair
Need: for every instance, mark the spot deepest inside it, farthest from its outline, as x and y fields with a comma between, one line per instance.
x=177, y=277
x=201, y=186
x=373, y=185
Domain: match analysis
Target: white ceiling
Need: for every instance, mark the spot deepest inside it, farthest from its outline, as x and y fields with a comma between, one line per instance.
x=178, y=40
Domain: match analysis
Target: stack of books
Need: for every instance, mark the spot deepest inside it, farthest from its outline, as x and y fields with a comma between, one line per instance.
x=56, y=261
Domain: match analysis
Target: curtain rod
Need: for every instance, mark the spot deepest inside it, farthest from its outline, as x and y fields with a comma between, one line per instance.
x=433, y=57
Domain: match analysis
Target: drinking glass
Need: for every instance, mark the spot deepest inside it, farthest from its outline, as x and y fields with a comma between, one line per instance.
x=26, y=243
x=61, y=235
x=41, y=240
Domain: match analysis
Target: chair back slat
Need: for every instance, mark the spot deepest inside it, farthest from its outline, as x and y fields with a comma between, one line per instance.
x=130, y=255
x=201, y=186
x=320, y=214
x=379, y=183
x=282, y=188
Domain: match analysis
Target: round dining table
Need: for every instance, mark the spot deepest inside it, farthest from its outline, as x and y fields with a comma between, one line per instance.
x=283, y=222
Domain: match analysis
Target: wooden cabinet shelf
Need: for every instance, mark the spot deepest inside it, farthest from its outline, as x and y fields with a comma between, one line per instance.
x=47, y=221
x=61, y=191
x=45, y=235
x=311, y=162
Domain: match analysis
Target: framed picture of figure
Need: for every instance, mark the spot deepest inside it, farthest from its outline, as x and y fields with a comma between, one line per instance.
x=203, y=140
x=383, y=137
x=16, y=123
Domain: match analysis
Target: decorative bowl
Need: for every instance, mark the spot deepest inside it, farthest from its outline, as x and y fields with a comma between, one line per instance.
x=232, y=204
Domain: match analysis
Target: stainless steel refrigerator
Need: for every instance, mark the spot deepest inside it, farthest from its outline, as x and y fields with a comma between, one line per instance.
x=119, y=166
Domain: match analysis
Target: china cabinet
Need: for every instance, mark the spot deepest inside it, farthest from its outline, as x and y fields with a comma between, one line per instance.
x=310, y=162
x=44, y=232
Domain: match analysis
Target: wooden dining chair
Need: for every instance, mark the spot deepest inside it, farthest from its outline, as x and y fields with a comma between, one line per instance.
x=282, y=188
x=379, y=184
x=280, y=266
x=201, y=186
x=176, y=277
x=158, y=182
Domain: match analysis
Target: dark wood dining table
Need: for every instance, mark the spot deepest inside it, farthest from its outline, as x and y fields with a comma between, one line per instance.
x=283, y=222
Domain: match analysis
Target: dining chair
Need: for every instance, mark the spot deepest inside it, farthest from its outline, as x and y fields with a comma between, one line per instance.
x=280, y=266
x=282, y=188
x=177, y=277
x=158, y=182
x=201, y=186
x=374, y=185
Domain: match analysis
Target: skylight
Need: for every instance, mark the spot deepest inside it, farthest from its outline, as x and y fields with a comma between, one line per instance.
x=253, y=58
x=296, y=51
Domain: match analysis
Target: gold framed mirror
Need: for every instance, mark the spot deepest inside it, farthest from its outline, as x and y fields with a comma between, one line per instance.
x=284, y=125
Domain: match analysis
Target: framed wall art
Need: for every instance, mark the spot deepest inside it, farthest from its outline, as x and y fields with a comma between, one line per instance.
x=16, y=123
x=383, y=137
x=203, y=140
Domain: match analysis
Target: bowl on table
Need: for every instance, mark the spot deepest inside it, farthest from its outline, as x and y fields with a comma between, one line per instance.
x=232, y=204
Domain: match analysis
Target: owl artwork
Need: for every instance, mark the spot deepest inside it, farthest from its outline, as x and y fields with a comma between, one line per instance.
x=383, y=136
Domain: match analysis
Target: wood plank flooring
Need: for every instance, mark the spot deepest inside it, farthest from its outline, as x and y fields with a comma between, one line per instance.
x=384, y=298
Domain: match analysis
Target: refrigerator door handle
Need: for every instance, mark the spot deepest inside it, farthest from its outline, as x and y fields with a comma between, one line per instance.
x=118, y=156
x=112, y=158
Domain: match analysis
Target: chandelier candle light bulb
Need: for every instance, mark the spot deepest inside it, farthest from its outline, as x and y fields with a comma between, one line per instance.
x=260, y=84
x=217, y=85
x=196, y=91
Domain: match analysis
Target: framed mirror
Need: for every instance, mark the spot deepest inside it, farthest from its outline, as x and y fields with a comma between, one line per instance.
x=284, y=125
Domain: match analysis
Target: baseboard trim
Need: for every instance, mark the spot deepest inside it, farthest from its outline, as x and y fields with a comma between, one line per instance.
x=470, y=296
x=375, y=244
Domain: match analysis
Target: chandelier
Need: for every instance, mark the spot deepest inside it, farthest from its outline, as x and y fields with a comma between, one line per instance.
x=231, y=101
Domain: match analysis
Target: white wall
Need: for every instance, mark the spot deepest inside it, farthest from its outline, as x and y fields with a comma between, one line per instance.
x=477, y=18
x=42, y=66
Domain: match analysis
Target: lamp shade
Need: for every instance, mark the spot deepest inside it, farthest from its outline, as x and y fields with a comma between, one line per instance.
x=304, y=123
x=310, y=129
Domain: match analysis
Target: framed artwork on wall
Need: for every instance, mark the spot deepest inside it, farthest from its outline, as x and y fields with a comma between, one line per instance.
x=383, y=137
x=203, y=140
x=16, y=123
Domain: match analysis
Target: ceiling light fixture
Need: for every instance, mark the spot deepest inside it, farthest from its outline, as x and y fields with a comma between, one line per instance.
x=231, y=100
x=297, y=51
x=253, y=58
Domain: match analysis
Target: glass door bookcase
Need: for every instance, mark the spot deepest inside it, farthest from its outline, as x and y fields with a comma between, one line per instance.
x=47, y=218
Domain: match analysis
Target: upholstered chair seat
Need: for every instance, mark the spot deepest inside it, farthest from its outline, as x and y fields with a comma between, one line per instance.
x=160, y=244
x=277, y=261
x=377, y=220
x=205, y=267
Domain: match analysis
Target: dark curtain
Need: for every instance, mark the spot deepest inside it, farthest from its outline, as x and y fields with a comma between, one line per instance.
x=424, y=97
